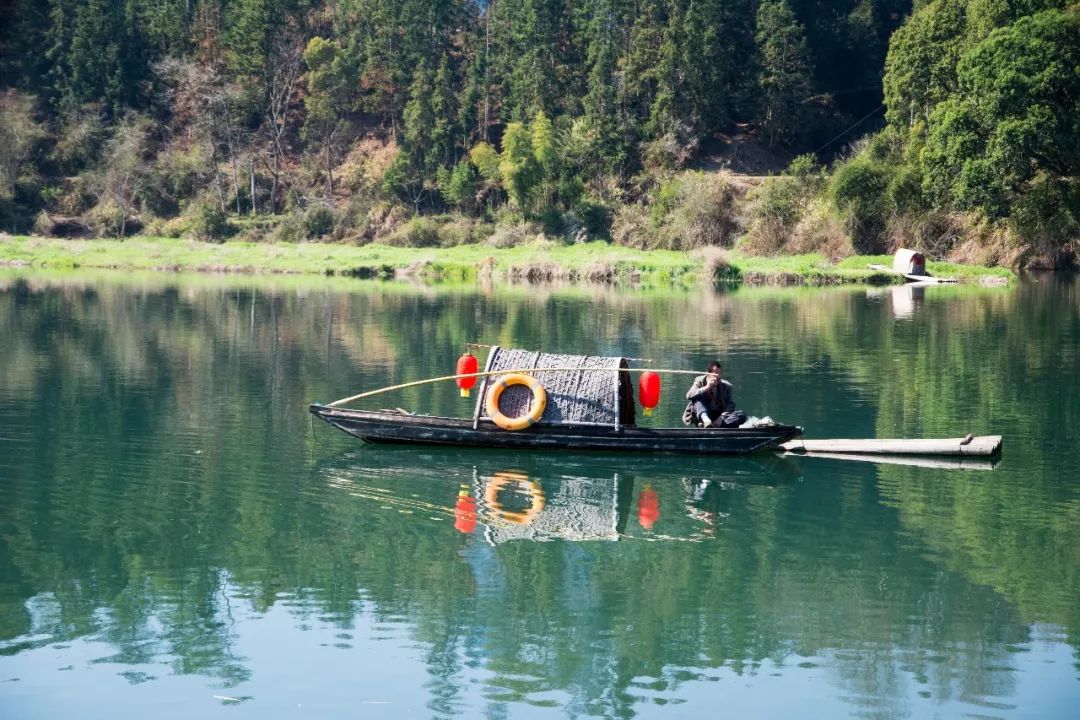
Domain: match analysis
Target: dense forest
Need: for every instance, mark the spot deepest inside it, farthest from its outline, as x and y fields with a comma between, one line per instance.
x=953, y=125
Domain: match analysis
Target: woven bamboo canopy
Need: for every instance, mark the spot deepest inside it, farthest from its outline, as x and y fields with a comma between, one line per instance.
x=588, y=397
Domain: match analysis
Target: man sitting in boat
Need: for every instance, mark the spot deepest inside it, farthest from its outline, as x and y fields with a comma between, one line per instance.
x=711, y=401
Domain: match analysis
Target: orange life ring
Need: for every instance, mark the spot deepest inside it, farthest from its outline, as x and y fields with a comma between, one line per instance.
x=539, y=402
x=501, y=480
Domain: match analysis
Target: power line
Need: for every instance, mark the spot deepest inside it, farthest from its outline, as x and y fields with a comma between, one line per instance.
x=856, y=124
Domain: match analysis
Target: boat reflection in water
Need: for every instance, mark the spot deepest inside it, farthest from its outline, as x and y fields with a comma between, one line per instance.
x=513, y=505
x=906, y=300
x=504, y=497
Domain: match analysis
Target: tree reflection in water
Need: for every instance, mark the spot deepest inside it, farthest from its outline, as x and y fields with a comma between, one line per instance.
x=162, y=486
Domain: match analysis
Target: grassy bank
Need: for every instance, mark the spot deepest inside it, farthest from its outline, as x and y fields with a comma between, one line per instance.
x=597, y=262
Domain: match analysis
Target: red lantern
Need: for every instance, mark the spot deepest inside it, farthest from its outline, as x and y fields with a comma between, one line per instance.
x=649, y=391
x=465, y=513
x=648, y=508
x=466, y=365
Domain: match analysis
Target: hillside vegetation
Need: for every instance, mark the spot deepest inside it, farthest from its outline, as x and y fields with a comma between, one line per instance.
x=953, y=126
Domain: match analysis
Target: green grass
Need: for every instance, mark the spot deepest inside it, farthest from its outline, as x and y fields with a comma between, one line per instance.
x=938, y=269
x=812, y=269
x=596, y=261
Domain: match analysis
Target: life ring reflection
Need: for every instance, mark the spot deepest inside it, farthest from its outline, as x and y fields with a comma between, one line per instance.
x=522, y=483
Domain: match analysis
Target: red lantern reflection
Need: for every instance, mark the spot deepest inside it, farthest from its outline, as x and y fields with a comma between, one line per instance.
x=465, y=511
x=648, y=508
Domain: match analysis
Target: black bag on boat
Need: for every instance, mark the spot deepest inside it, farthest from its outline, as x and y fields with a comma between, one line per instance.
x=732, y=419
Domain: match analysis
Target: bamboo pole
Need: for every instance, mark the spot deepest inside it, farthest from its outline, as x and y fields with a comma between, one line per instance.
x=444, y=378
x=985, y=446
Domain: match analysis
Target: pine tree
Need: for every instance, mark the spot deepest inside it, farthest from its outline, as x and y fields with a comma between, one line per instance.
x=384, y=76
x=419, y=121
x=93, y=58
x=460, y=185
x=469, y=103
x=600, y=103
x=166, y=25
x=24, y=46
x=57, y=43
x=444, y=114
x=251, y=26
x=664, y=111
x=785, y=71
x=534, y=84
x=716, y=42
x=848, y=41
x=642, y=65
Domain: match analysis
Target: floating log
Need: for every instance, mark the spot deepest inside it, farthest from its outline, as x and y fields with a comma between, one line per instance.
x=967, y=462
x=982, y=446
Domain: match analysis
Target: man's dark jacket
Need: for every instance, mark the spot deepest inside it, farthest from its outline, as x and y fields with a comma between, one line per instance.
x=719, y=399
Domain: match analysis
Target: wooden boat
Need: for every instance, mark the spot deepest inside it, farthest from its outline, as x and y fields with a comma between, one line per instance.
x=590, y=406
x=396, y=427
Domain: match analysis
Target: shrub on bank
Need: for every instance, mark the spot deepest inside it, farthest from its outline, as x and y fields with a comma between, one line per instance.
x=510, y=235
x=419, y=232
x=439, y=231
x=858, y=187
x=774, y=208
x=703, y=212
x=716, y=267
x=589, y=219
x=107, y=219
x=289, y=230
x=594, y=217
x=318, y=221
x=632, y=226
x=690, y=210
x=820, y=231
x=176, y=174
x=787, y=214
x=464, y=231
x=1048, y=217
x=170, y=228
x=209, y=223
x=933, y=232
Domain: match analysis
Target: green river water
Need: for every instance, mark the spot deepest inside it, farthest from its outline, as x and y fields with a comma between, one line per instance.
x=177, y=540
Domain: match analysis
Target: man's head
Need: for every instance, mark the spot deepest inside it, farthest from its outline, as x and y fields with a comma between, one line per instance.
x=716, y=368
